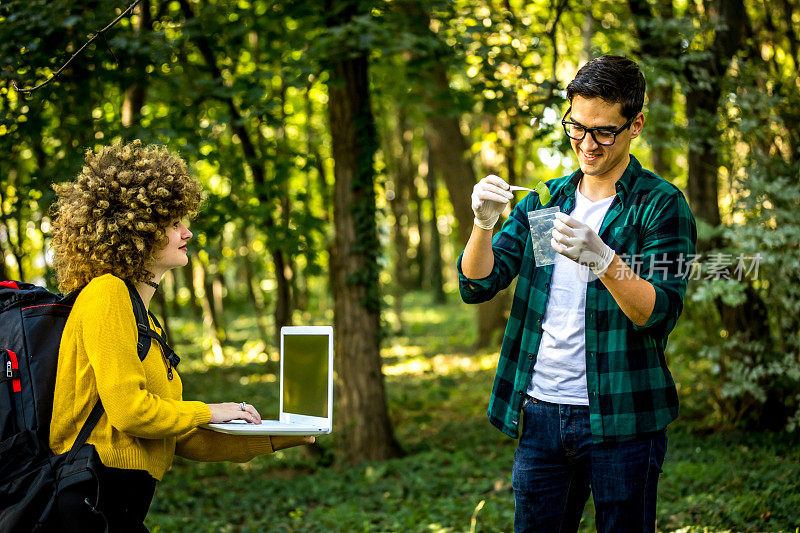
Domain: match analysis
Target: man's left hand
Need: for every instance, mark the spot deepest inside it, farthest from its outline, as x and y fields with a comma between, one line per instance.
x=579, y=242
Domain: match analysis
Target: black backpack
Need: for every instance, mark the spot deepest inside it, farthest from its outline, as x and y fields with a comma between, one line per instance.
x=32, y=321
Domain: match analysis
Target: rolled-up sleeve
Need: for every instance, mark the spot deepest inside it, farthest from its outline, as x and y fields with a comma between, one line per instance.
x=475, y=291
x=667, y=251
x=508, y=247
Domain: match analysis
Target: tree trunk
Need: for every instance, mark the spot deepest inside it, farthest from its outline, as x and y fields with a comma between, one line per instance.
x=132, y=104
x=253, y=288
x=183, y=277
x=170, y=288
x=283, y=304
x=210, y=310
x=703, y=93
x=424, y=244
x=663, y=97
x=325, y=190
x=13, y=249
x=4, y=274
x=415, y=255
x=161, y=302
x=450, y=151
x=203, y=295
x=661, y=47
x=217, y=288
x=436, y=275
x=705, y=79
x=402, y=216
x=367, y=429
x=135, y=94
x=587, y=32
x=313, y=151
x=703, y=158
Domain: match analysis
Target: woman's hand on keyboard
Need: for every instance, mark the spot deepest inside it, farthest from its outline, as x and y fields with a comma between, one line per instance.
x=224, y=412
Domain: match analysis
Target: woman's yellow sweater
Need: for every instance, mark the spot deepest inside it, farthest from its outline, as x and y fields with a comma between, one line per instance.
x=146, y=422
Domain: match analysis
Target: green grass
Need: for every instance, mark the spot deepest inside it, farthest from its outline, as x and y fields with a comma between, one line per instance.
x=457, y=466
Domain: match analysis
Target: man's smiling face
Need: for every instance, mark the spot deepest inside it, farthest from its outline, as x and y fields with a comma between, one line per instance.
x=595, y=159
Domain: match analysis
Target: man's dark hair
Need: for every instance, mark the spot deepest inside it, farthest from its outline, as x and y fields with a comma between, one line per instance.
x=615, y=79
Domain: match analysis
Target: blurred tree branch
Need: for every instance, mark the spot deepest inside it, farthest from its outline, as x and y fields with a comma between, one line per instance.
x=100, y=33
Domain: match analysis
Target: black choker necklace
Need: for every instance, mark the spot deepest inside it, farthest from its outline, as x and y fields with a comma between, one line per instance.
x=152, y=284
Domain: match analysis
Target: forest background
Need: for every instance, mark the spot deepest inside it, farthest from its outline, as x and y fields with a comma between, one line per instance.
x=338, y=143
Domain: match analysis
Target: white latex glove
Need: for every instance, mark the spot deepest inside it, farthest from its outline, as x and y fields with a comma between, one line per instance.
x=579, y=242
x=489, y=197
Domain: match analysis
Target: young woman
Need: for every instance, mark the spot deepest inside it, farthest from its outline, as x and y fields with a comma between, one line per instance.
x=123, y=219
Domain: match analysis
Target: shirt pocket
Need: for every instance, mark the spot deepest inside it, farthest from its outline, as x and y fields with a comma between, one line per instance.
x=624, y=240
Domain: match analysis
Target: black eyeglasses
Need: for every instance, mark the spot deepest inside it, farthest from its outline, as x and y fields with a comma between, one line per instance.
x=603, y=136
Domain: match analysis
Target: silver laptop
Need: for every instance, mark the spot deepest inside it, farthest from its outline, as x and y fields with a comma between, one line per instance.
x=306, y=393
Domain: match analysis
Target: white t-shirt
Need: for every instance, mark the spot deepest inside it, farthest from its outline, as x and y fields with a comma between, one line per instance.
x=559, y=375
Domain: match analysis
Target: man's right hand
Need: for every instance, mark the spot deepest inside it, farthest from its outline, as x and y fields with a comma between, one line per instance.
x=281, y=442
x=489, y=197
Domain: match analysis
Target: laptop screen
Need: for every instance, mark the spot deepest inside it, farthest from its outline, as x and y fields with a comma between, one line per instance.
x=305, y=374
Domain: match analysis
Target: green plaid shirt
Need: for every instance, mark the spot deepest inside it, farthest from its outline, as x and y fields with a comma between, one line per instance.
x=631, y=391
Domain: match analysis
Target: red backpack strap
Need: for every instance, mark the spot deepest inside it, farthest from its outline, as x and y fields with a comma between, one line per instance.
x=12, y=371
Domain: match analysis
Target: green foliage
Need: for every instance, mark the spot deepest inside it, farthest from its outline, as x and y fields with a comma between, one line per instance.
x=501, y=72
x=756, y=377
x=723, y=482
x=204, y=97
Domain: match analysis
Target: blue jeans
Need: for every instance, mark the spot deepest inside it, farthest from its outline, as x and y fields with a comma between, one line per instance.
x=556, y=465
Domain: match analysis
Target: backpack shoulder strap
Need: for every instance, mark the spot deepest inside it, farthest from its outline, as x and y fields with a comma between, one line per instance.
x=86, y=430
x=142, y=324
x=169, y=353
x=146, y=333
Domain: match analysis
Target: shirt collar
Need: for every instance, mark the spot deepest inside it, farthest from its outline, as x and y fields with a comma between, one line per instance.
x=623, y=185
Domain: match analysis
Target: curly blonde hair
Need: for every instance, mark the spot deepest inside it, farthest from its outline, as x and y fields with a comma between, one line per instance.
x=112, y=218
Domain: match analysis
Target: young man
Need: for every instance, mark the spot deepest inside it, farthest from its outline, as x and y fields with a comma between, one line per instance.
x=582, y=368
